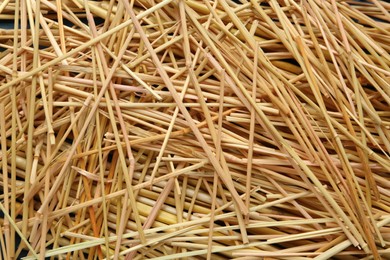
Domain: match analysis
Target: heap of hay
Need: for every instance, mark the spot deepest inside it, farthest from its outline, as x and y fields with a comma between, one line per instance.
x=190, y=129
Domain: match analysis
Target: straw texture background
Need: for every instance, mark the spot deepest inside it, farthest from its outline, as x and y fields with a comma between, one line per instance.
x=182, y=129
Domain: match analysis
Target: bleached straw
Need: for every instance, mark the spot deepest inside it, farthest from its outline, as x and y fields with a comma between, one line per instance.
x=195, y=129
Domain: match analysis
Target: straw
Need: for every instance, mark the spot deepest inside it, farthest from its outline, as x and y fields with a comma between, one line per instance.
x=194, y=129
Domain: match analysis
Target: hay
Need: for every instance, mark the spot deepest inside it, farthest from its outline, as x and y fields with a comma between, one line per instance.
x=195, y=129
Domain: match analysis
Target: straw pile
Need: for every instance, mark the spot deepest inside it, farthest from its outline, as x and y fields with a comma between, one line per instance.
x=201, y=129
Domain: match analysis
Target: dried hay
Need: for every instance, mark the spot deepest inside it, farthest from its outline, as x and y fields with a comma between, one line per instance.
x=200, y=129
